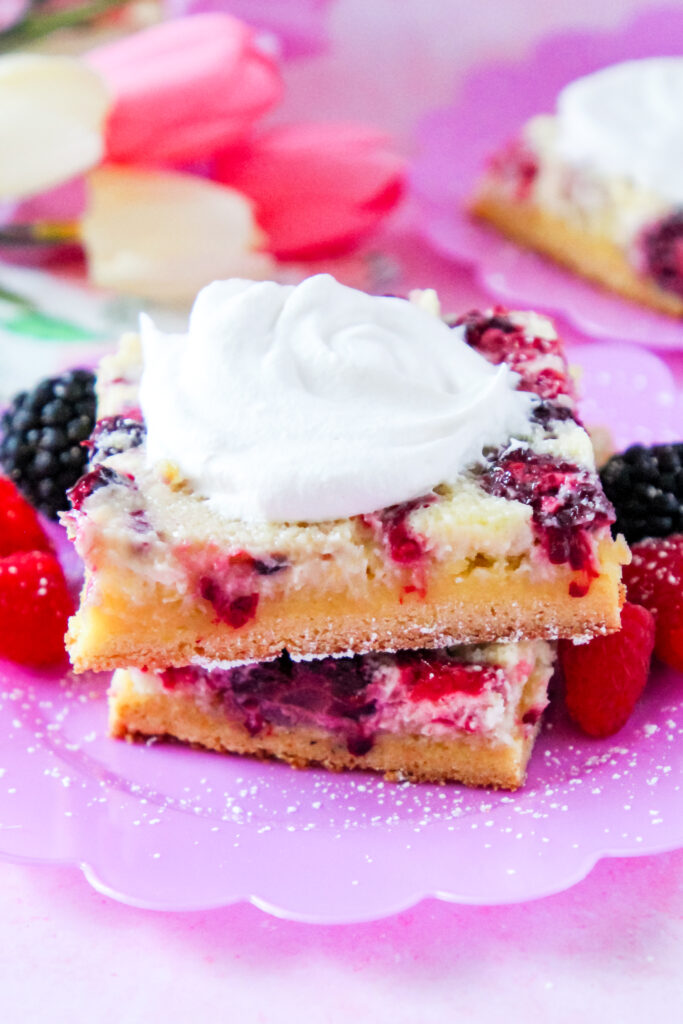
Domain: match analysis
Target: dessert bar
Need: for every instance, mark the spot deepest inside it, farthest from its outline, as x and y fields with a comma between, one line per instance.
x=340, y=530
x=596, y=186
x=461, y=504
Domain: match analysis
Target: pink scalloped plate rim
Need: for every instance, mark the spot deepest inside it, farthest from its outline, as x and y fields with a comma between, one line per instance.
x=493, y=103
x=160, y=826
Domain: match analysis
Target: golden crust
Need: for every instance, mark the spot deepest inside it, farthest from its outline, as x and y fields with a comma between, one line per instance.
x=589, y=255
x=134, y=712
x=152, y=626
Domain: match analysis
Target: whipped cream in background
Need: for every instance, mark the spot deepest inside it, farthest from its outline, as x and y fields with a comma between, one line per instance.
x=627, y=121
x=315, y=401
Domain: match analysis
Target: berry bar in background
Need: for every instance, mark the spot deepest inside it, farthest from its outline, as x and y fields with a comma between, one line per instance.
x=597, y=186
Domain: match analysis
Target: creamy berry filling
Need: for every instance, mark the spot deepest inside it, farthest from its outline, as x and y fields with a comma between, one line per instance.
x=115, y=434
x=400, y=541
x=330, y=694
x=231, y=582
x=112, y=436
x=662, y=250
x=93, y=480
x=567, y=503
x=430, y=693
x=539, y=361
x=516, y=167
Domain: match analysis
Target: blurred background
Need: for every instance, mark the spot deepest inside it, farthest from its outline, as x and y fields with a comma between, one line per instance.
x=150, y=146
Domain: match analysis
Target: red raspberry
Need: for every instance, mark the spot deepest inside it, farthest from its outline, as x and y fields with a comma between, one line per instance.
x=20, y=529
x=34, y=607
x=605, y=677
x=655, y=579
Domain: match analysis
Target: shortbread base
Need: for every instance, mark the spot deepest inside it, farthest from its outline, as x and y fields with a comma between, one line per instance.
x=152, y=626
x=136, y=712
x=591, y=256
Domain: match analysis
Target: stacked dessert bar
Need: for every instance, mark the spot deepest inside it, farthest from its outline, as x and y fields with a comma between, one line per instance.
x=341, y=530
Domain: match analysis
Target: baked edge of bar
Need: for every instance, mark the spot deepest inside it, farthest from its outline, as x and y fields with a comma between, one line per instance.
x=479, y=610
x=591, y=256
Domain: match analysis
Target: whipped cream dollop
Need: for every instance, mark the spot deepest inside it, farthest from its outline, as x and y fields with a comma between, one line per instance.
x=627, y=121
x=316, y=401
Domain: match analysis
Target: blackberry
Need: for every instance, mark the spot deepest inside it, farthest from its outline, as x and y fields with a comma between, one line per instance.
x=645, y=485
x=43, y=432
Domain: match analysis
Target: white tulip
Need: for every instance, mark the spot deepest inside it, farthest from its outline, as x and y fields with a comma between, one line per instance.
x=52, y=112
x=163, y=236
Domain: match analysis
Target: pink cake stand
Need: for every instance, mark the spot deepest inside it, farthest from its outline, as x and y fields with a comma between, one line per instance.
x=161, y=826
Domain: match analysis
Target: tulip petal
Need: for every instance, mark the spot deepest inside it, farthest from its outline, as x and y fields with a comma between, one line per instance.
x=52, y=111
x=64, y=203
x=184, y=89
x=316, y=188
x=163, y=236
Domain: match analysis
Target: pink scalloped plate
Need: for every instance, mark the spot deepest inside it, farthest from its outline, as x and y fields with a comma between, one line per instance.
x=493, y=103
x=161, y=826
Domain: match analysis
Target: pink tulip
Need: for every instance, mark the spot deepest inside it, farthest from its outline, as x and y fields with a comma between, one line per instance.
x=317, y=188
x=184, y=89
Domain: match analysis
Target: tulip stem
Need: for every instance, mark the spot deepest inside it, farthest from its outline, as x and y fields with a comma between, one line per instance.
x=14, y=299
x=42, y=233
x=40, y=23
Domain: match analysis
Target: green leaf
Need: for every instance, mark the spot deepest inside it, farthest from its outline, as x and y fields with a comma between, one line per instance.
x=34, y=324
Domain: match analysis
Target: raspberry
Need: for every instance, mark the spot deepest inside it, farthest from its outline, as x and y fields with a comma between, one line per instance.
x=655, y=579
x=19, y=526
x=34, y=607
x=605, y=678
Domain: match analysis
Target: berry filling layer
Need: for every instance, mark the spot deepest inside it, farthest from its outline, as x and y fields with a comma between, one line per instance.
x=662, y=249
x=495, y=692
x=537, y=356
x=566, y=501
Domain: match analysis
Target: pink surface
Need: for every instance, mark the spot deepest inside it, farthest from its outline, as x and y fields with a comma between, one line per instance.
x=168, y=828
x=493, y=103
x=606, y=950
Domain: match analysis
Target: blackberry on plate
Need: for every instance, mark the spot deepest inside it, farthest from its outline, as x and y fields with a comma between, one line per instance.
x=41, y=448
x=645, y=485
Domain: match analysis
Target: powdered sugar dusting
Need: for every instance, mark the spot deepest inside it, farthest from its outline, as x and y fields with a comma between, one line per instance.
x=64, y=783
